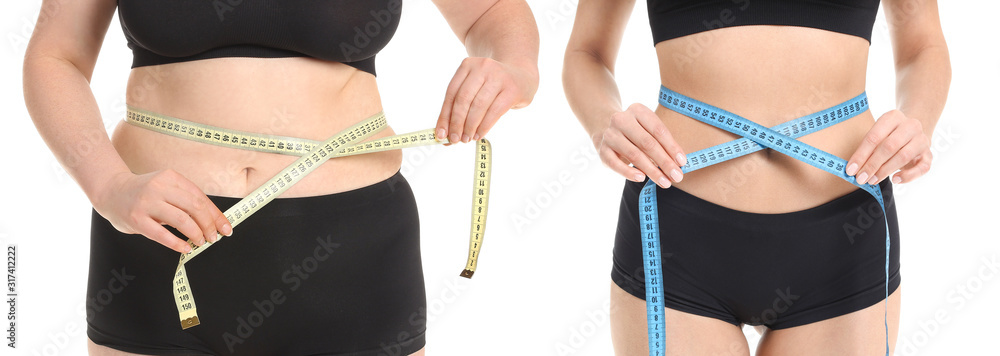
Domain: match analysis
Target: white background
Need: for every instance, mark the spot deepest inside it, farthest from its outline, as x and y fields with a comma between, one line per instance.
x=542, y=287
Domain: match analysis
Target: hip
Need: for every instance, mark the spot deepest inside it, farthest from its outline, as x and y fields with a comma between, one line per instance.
x=846, y=231
x=321, y=266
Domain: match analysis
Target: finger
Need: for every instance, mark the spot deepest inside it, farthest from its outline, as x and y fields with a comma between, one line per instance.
x=903, y=157
x=504, y=101
x=652, y=124
x=899, y=138
x=651, y=148
x=154, y=231
x=197, y=208
x=914, y=170
x=619, y=165
x=220, y=221
x=882, y=128
x=463, y=101
x=449, y=101
x=480, y=107
x=179, y=219
x=625, y=148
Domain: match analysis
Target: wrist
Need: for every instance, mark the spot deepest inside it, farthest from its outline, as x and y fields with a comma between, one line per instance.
x=526, y=77
x=101, y=189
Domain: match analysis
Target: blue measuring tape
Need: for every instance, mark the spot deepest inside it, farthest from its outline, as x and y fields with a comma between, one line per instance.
x=781, y=138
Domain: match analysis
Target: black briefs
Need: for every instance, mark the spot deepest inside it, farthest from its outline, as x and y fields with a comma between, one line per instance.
x=778, y=270
x=336, y=274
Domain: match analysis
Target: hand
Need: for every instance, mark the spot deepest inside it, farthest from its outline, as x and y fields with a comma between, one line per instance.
x=637, y=136
x=480, y=92
x=896, y=142
x=140, y=204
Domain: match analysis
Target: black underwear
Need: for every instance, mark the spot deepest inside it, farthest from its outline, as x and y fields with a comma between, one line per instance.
x=336, y=274
x=778, y=270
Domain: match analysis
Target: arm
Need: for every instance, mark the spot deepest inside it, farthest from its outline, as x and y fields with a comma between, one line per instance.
x=900, y=139
x=501, y=72
x=589, y=65
x=58, y=65
x=635, y=135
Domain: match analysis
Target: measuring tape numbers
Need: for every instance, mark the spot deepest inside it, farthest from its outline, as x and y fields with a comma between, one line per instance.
x=480, y=203
x=781, y=138
x=312, y=153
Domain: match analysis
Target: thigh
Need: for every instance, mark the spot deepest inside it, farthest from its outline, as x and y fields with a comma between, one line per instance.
x=686, y=334
x=98, y=350
x=858, y=333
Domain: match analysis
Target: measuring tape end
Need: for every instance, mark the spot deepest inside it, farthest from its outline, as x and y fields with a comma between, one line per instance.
x=467, y=273
x=190, y=322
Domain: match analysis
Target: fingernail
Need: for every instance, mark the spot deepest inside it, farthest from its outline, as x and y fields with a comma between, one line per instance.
x=676, y=175
x=440, y=134
x=453, y=138
x=682, y=159
x=852, y=169
x=664, y=183
x=861, y=177
x=639, y=177
x=897, y=180
x=213, y=237
x=227, y=229
x=475, y=137
x=873, y=180
x=466, y=138
x=187, y=248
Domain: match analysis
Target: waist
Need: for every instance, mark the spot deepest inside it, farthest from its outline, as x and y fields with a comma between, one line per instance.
x=766, y=181
x=297, y=97
x=783, y=59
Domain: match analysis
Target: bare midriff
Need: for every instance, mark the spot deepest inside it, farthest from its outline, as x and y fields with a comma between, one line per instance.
x=769, y=75
x=299, y=97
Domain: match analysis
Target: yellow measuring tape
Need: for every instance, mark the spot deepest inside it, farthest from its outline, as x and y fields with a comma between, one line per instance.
x=313, y=153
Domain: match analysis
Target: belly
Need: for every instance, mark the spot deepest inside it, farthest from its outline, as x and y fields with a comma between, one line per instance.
x=299, y=97
x=769, y=75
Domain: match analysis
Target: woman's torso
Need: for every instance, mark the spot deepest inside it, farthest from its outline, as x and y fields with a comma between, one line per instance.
x=296, y=96
x=770, y=75
x=204, y=63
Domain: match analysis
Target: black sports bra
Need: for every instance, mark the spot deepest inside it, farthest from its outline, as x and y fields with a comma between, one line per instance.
x=675, y=18
x=347, y=31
